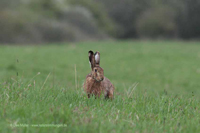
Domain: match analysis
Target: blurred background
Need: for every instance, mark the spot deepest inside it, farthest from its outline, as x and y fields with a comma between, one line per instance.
x=44, y=21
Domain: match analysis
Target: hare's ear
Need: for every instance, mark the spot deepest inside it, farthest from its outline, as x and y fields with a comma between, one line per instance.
x=97, y=58
x=91, y=59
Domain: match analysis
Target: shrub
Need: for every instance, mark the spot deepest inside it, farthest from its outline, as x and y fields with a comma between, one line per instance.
x=67, y=24
x=155, y=23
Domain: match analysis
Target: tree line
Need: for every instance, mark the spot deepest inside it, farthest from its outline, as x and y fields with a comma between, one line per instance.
x=38, y=21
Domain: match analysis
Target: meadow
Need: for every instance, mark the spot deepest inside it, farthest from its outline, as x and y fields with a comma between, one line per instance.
x=157, y=87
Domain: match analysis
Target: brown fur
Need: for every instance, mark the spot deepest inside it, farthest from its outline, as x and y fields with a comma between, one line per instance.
x=96, y=83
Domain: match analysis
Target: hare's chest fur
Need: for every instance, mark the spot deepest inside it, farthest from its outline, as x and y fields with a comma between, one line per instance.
x=94, y=87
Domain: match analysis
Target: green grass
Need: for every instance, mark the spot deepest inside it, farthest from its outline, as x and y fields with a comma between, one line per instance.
x=37, y=86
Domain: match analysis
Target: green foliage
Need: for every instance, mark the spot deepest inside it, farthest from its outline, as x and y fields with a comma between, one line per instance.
x=99, y=13
x=9, y=4
x=125, y=14
x=38, y=87
x=48, y=8
x=11, y=25
x=189, y=19
x=48, y=21
x=156, y=23
x=181, y=18
x=21, y=21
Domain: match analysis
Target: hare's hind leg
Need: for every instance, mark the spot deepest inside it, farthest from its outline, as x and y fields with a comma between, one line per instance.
x=88, y=86
x=109, y=95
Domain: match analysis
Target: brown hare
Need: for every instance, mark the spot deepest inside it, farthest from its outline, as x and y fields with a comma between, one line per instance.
x=96, y=83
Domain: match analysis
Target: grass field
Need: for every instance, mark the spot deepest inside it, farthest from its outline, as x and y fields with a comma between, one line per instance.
x=157, y=88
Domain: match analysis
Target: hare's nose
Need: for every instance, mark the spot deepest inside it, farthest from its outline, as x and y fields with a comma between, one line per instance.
x=102, y=79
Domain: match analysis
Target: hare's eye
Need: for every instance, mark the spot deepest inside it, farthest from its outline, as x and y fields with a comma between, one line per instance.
x=95, y=70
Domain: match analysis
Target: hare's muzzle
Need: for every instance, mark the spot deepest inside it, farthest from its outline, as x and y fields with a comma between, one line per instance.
x=101, y=79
